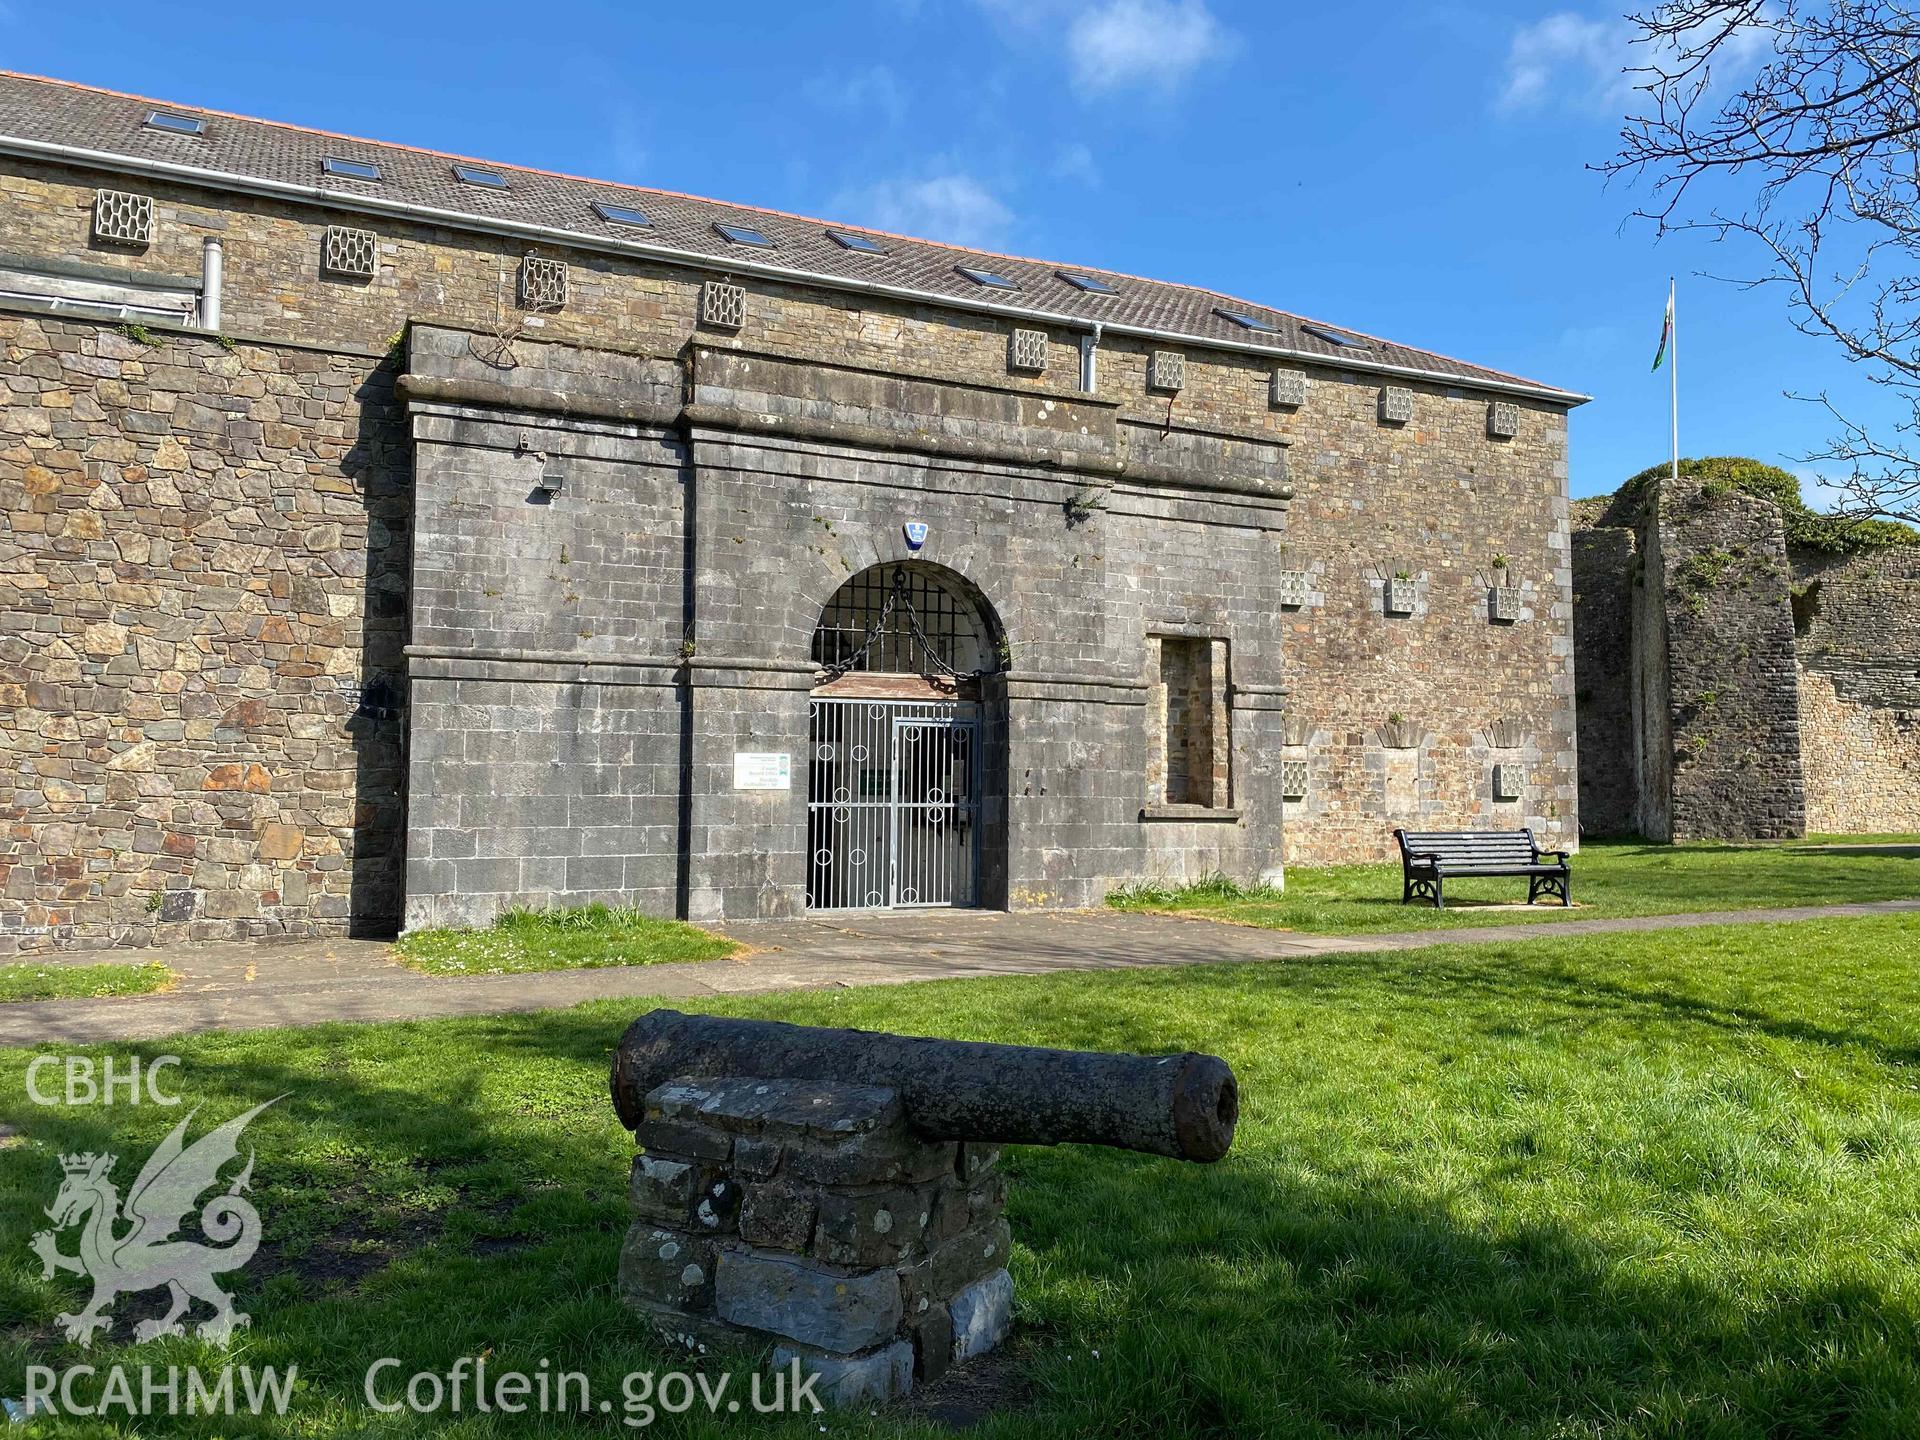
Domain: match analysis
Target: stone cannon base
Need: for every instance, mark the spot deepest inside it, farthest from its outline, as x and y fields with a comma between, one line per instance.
x=806, y=1215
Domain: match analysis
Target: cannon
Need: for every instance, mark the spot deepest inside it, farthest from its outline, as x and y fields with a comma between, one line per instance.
x=1184, y=1106
x=836, y=1194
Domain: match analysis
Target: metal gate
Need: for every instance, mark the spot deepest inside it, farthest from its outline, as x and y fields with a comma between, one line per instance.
x=893, y=804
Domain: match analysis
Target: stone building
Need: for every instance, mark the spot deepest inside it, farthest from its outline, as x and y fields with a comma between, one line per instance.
x=1732, y=685
x=393, y=538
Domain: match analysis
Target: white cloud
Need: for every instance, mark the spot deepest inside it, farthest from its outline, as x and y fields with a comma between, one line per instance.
x=875, y=88
x=1146, y=44
x=1117, y=45
x=1568, y=58
x=1075, y=162
x=1592, y=63
x=953, y=207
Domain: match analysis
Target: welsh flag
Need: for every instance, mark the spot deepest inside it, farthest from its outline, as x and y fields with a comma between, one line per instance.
x=1666, y=333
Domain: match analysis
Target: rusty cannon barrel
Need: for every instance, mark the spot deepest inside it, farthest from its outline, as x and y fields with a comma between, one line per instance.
x=1183, y=1105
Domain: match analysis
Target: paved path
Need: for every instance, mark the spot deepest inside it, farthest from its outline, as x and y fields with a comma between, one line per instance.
x=239, y=986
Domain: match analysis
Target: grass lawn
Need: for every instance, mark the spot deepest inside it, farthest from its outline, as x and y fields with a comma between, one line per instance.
x=28, y=980
x=586, y=937
x=1613, y=877
x=1594, y=1186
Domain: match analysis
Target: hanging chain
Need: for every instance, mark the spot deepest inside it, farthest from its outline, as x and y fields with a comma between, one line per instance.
x=898, y=595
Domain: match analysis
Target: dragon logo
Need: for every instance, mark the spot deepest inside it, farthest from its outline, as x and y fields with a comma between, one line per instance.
x=128, y=1248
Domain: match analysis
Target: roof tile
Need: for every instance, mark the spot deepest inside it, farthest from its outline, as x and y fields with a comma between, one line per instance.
x=58, y=113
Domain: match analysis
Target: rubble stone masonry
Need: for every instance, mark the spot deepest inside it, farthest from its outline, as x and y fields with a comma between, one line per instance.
x=1858, y=619
x=202, y=564
x=1733, y=688
x=207, y=581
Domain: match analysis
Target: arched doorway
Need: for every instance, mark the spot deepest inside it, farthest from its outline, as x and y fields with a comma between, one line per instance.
x=903, y=730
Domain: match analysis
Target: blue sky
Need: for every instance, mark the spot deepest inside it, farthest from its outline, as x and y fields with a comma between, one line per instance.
x=1414, y=170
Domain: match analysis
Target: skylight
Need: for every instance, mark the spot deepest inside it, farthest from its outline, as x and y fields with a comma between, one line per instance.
x=1244, y=320
x=622, y=214
x=476, y=175
x=1091, y=284
x=350, y=169
x=744, y=235
x=847, y=240
x=1332, y=337
x=177, y=123
x=987, y=278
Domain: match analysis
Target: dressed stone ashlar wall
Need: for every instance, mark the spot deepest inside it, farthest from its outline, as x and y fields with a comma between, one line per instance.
x=1438, y=495
x=588, y=665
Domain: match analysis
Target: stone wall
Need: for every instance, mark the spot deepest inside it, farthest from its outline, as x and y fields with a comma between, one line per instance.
x=1441, y=501
x=202, y=607
x=1699, y=571
x=587, y=665
x=1858, y=619
x=1606, y=581
x=810, y=1219
x=1436, y=495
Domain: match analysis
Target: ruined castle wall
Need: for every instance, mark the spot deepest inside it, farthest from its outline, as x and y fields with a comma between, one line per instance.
x=1859, y=689
x=1650, y=694
x=1731, y=678
x=1605, y=583
x=202, y=607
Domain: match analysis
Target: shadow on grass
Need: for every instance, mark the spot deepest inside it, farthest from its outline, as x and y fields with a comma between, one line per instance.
x=1497, y=981
x=1248, y=1299
x=1260, y=1296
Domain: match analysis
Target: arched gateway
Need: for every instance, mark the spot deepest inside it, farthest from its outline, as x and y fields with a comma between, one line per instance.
x=906, y=727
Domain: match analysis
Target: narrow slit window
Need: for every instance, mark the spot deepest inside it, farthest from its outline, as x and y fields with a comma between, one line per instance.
x=1189, y=723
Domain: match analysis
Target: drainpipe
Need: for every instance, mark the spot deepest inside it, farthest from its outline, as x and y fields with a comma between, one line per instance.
x=212, y=273
x=1089, y=359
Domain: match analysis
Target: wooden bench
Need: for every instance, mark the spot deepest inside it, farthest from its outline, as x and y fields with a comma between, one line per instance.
x=1428, y=857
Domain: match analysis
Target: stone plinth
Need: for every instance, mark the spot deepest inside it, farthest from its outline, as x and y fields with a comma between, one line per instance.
x=808, y=1217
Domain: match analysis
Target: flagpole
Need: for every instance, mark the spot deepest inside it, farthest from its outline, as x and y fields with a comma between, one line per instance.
x=1673, y=376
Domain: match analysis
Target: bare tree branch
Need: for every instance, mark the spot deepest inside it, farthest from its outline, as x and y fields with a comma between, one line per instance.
x=1794, y=126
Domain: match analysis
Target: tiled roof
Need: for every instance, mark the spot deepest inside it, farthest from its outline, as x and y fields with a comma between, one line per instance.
x=109, y=130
